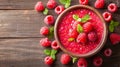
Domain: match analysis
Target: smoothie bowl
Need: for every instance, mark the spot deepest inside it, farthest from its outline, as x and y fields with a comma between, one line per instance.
x=80, y=31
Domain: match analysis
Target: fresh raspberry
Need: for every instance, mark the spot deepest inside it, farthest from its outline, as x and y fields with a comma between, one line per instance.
x=97, y=61
x=82, y=62
x=108, y=52
x=82, y=38
x=54, y=45
x=73, y=33
x=87, y=27
x=48, y=60
x=49, y=20
x=83, y=2
x=112, y=7
x=92, y=36
x=107, y=16
x=115, y=38
x=65, y=59
x=45, y=42
x=44, y=30
x=59, y=9
x=51, y=4
x=39, y=6
x=99, y=3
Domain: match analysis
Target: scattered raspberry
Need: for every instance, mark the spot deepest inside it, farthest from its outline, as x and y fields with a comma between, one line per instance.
x=45, y=42
x=115, y=38
x=44, y=30
x=87, y=27
x=49, y=20
x=92, y=36
x=83, y=2
x=99, y=4
x=98, y=61
x=82, y=38
x=112, y=7
x=82, y=62
x=108, y=52
x=65, y=59
x=39, y=6
x=73, y=33
x=59, y=9
x=48, y=60
x=51, y=4
x=107, y=16
x=54, y=45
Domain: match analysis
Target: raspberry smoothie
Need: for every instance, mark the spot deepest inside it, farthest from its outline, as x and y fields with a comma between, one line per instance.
x=78, y=36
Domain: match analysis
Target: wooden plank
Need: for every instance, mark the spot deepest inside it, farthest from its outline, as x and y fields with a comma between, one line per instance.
x=28, y=53
x=29, y=4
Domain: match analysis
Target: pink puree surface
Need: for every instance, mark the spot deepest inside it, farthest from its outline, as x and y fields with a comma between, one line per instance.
x=66, y=24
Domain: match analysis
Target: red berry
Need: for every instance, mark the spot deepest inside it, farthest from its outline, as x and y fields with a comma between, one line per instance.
x=97, y=61
x=44, y=30
x=51, y=4
x=65, y=59
x=45, y=42
x=112, y=7
x=82, y=62
x=54, y=45
x=87, y=27
x=59, y=9
x=73, y=33
x=92, y=36
x=48, y=60
x=39, y=6
x=49, y=20
x=99, y=3
x=108, y=52
x=115, y=38
x=82, y=38
x=107, y=16
x=83, y=2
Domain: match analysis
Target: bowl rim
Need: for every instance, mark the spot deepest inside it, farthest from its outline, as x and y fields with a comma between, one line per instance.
x=102, y=42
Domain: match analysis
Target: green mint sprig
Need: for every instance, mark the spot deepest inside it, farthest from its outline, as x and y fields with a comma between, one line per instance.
x=66, y=3
x=51, y=32
x=79, y=28
x=74, y=59
x=45, y=12
x=71, y=39
x=112, y=25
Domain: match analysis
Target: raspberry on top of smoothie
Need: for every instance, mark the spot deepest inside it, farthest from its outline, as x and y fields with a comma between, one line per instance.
x=80, y=31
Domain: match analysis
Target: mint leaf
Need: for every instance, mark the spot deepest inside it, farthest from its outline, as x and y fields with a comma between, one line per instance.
x=53, y=52
x=47, y=52
x=111, y=28
x=79, y=28
x=112, y=25
x=75, y=17
x=74, y=59
x=85, y=18
x=45, y=12
x=67, y=5
x=71, y=39
x=63, y=1
x=53, y=56
x=51, y=32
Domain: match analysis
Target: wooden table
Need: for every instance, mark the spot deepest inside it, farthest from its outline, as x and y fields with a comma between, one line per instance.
x=19, y=35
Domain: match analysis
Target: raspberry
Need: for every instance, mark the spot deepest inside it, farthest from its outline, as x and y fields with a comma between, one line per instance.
x=82, y=38
x=115, y=38
x=83, y=2
x=51, y=4
x=39, y=6
x=48, y=60
x=45, y=42
x=97, y=61
x=73, y=33
x=112, y=7
x=108, y=52
x=44, y=30
x=92, y=36
x=59, y=9
x=107, y=16
x=99, y=3
x=49, y=20
x=82, y=62
x=87, y=27
x=54, y=45
x=65, y=59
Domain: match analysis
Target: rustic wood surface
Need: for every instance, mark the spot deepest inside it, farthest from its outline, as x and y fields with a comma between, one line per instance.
x=19, y=35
